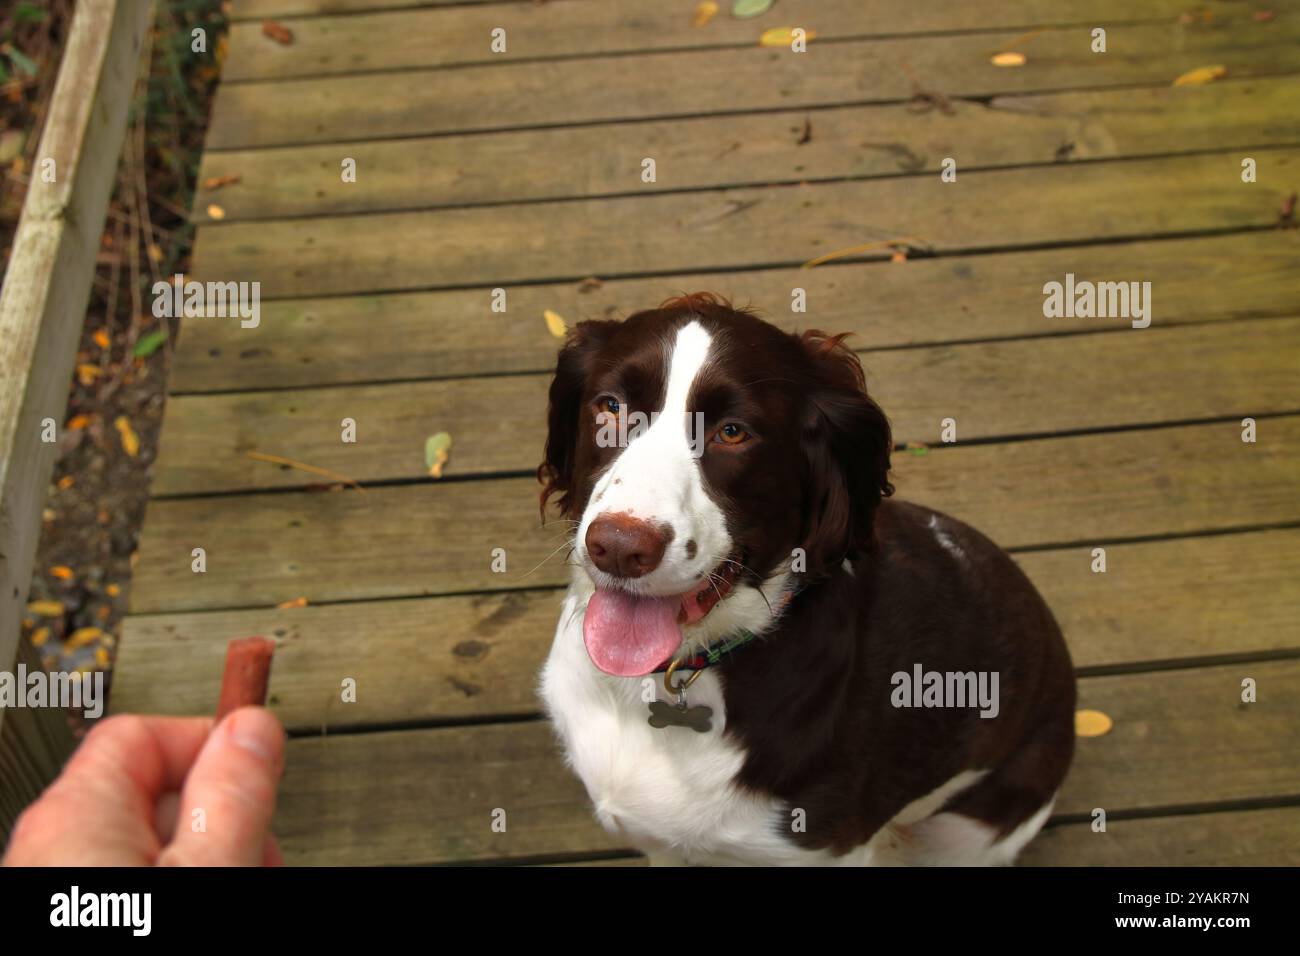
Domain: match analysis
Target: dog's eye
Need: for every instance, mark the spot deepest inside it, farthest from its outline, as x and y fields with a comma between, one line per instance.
x=609, y=404
x=732, y=434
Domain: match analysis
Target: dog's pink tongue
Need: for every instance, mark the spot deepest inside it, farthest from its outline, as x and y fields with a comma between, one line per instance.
x=628, y=636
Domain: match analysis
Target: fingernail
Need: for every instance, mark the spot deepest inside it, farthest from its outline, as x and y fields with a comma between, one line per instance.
x=254, y=729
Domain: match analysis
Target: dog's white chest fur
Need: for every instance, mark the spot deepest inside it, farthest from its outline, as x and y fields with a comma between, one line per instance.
x=668, y=790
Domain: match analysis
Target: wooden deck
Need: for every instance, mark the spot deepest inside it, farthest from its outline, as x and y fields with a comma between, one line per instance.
x=522, y=171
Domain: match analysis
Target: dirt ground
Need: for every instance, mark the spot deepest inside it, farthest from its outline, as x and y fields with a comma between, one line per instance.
x=92, y=517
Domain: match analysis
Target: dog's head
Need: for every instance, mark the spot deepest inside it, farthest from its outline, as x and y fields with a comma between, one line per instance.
x=698, y=448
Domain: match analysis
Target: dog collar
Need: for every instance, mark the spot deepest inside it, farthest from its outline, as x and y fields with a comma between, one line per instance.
x=711, y=655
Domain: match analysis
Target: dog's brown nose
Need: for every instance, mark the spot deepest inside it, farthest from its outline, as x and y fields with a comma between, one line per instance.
x=626, y=547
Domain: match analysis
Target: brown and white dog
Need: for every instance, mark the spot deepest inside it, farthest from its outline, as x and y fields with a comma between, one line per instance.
x=883, y=684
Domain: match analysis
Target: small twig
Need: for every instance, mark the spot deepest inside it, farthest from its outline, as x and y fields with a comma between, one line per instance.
x=906, y=242
x=301, y=466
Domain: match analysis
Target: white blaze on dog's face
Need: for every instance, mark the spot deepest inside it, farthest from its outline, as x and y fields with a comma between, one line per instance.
x=656, y=479
x=688, y=511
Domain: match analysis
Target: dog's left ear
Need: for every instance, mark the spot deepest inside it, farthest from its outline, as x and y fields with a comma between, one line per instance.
x=571, y=372
x=847, y=443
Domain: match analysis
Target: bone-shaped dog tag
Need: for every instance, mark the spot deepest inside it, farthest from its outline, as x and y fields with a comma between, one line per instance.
x=699, y=719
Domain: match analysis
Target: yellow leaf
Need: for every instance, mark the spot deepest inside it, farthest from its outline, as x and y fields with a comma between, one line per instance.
x=704, y=13
x=102, y=339
x=40, y=636
x=1091, y=723
x=130, y=443
x=782, y=36
x=1008, y=59
x=101, y=656
x=437, y=450
x=62, y=572
x=66, y=482
x=296, y=602
x=1202, y=75
x=86, y=374
x=45, y=608
x=555, y=323
x=77, y=421
x=112, y=590
x=83, y=636
x=216, y=212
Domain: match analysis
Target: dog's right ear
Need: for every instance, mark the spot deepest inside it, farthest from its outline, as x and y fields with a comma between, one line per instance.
x=572, y=369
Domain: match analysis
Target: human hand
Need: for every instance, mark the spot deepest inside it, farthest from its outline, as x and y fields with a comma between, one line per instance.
x=166, y=791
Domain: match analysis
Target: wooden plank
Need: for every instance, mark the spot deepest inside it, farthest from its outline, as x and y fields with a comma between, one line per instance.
x=42, y=305
x=1234, y=838
x=471, y=657
x=258, y=9
x=438, y=36
x=889, y=19
x=1026, y=387
x=748, y=149
x=422, y=539
x=741, y=228
x=1227, y=838
x=698, y=82
x=438, y=788
x=323, y=341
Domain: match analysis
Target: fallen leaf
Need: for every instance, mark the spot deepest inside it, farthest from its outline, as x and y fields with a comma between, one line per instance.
x=62, y=572
x=589, y=284
x=296, y=602
x=782, y=36
x=216, y=182
x=1201, y=75
x=899, y=256
x=103, y=611
x=216, y=212
x=1091, y=723
x=112, y=590
x=704, y=13
x=155, y=252
x=66, y=482
x=102, y=339
x=1286, y=218
x=83, y=636
x=45, y=608
x=149, y=344
x=555, y=323
x=101, y=656
x=76, y=422
x=918, y=448
x=40, y=636
x=130, y=443
x=436, y=452
x=1008, y=59
x=277, y=32
x=744, y=9
x=87, y=373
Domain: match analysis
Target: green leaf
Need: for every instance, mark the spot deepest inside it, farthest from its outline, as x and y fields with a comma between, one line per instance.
x=20, y=60
x=435, y=444
x=26, y=12
x=150, y=344
x=744, y=9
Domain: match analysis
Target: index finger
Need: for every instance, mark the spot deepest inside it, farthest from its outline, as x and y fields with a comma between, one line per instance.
x=134, y=757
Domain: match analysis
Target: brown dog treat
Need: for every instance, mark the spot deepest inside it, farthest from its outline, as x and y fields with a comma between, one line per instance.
x=247, y=674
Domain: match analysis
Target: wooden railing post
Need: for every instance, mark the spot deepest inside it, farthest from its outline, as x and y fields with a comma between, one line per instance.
x=42, y=308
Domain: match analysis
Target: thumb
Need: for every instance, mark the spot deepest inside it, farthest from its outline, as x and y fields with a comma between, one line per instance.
x=229, y=795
